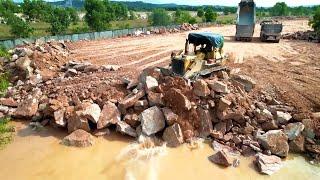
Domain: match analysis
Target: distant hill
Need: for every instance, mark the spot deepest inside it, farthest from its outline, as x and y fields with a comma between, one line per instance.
x=136, y=5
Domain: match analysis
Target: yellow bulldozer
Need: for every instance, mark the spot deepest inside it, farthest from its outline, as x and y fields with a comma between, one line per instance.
x=207, y=55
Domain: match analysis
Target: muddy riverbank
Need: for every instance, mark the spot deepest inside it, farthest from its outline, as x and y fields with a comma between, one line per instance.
x=39, y=155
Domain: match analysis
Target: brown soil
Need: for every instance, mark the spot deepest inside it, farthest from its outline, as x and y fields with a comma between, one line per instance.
x=290, y=69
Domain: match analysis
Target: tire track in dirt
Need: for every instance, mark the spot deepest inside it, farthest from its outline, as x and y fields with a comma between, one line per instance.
x=146, y=58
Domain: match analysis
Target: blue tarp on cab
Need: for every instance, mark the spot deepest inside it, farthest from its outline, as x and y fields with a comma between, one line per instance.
x=216, y=40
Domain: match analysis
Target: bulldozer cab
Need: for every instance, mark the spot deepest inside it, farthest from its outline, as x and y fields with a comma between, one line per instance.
x=207, y=51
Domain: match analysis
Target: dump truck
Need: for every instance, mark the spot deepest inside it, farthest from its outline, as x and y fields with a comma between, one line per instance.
x=246, y=17
x=206, y=55
x=270, y=31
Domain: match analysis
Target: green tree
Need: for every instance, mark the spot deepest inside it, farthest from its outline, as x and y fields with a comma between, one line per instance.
x=315, y=22
x=132, y=15
x=210, y=15
x=159, y=17
x=200, y=12
x=73, y=14
x=182, y=17
x=119, y=10
x=36, y=10
x=8, y=6
x=280, y=9
x=60, y=20
x=18, y=27
x=97, y=16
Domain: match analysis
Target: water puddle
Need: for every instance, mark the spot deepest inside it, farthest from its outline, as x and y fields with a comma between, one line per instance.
x=38, y=155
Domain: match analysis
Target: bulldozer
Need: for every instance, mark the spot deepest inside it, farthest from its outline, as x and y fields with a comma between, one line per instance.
x=206, y=55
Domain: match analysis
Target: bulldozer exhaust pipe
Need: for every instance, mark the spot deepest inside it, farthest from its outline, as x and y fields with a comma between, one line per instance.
x=186, y=47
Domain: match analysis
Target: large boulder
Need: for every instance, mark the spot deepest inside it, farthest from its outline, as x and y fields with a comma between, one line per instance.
x=173, y=135
x=91, y=111
x=109, y=115
x=130, y=100
x=174, y=98
x=276, y=141
x=125, y=128
x=221, y=147
x=59, y=117
x=283, y=117
x=221, y=158
x=205, y=122
x=155, y=99
x=293, y=130
x=29, y=106
x=10, y=102
x=169, y=115
x=75, y=120
x=247, y=81
x=200, y=88
x=218, y=86
x=150, y=83
x=152, y=120
x=268, y=164
x=78, y=138
x=297, y=145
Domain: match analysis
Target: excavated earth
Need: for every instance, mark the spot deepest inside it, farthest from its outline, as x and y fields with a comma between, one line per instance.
x=289, y=69
x=223, y=107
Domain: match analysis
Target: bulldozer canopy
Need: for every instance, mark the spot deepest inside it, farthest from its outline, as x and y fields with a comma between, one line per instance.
x=216, y=40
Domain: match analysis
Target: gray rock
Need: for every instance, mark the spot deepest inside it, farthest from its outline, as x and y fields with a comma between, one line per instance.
x=293, y=130
x=152, y=120
x=71, y=72
x=221, y=158
x=276, y=141
x=125, y=128
x=150, y=83
x=29, y=106
x=170, y=116
x=283, y=117
x=268, y=164
x=247, y=81
x=59, y=118
x=218, y=86
x=91, y=112
x=205, y=122
x=173, y=135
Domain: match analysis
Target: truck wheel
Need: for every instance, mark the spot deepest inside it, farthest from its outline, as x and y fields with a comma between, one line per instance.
x=237, y=39
x=277, y=41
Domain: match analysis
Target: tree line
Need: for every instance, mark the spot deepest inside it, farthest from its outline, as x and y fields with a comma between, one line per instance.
x=100, y=13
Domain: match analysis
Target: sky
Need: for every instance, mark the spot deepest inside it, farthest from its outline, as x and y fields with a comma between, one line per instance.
x=260, y=3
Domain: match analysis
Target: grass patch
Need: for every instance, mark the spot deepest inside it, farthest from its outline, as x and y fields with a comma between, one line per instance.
x=6, y=132
x=4, y=83
x=4, y=52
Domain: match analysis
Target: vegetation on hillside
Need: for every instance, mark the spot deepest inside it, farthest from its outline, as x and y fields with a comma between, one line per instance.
x=159, y=17
x=6, y=132
x=40, y=18
x=315, y=21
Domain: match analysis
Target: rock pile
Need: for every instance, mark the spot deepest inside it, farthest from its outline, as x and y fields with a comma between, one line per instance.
x=163, y=30
x=36, y=61
x=221, y=107
x=302, y=35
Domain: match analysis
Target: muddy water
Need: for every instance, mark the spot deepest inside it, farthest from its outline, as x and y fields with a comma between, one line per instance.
x=38, y=155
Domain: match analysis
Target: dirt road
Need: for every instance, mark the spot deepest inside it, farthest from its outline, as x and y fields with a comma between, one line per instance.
x=290, y=69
